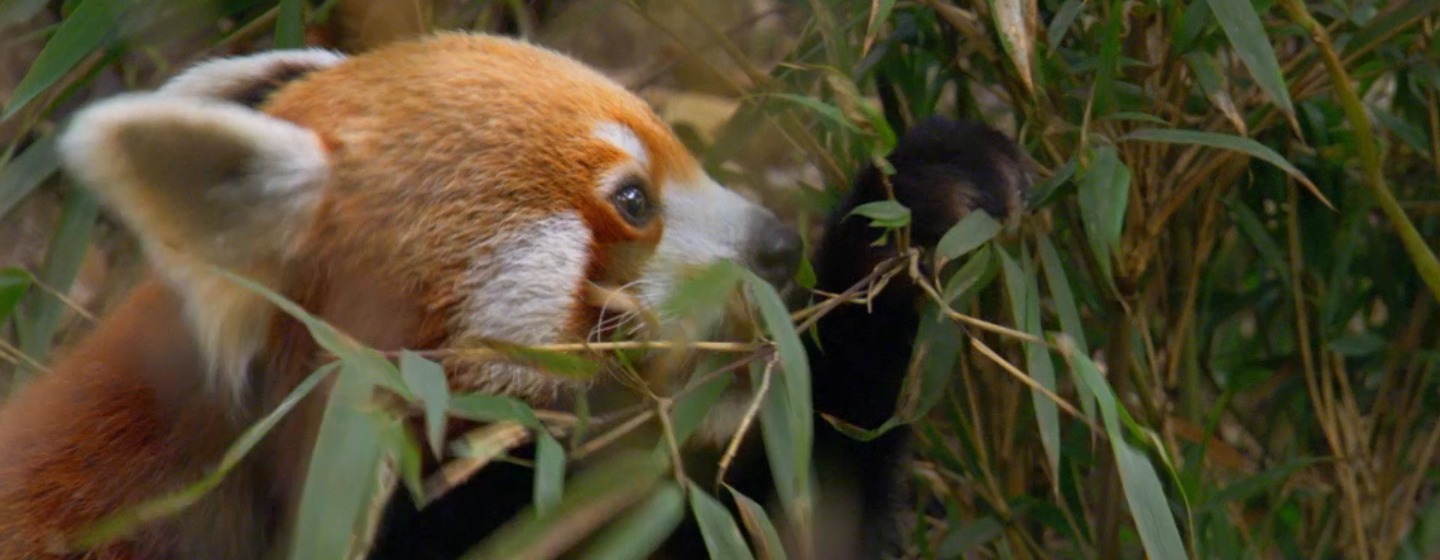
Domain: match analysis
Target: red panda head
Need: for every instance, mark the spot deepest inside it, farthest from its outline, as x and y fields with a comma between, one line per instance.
x=427, y=195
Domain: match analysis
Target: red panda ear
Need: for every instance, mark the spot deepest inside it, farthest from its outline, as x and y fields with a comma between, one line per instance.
x=248, y=80
x=198, y=179
x=204, y=183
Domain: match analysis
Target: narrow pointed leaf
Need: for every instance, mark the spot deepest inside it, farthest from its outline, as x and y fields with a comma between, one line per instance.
x=1246, y=34
x=426, y=380
x=722, y=536
x=1227, y=142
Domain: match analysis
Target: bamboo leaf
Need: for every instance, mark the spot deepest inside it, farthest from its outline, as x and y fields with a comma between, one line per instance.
x=1013, y=20
x=972, y=231
x=594, y=497
x=690, y=409
x=343, y=477
x=14, y=282
x=1242, y=27
x=791, y=467
x=1064, y=18
x=426, y=380
x=717, y=527
x=494, y=408
x=883, y=214
x=1104, y=196
x=40, y=320
x=559, y=363
x=1025, y=307
x=22, y=175
x=290, y=25
x=977, y=273
x=763, y=536
x=1146, y=497
x=88, y=28
x=1227, y=142
x=640, y=532
x=879, y=14
x=829, y=112
x=1059, y=284
x=549, y=472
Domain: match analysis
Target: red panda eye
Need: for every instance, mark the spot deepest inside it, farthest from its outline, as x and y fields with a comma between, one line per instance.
x=633, y=203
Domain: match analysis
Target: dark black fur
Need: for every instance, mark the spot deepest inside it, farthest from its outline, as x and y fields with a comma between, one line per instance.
x=944, y=168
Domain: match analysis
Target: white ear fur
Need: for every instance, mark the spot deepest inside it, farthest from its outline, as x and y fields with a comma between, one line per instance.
x=204, y=183
x=234, y=78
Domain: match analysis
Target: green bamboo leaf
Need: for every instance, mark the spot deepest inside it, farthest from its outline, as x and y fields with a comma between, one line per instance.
x=426, y=380
x=1213, y=83
x=559, y=363
x=14, y=282
x=1045, y=191
x=972, y=231
x=344, y=474
x=1226, y=142
x=88, y=28
x=399, y=446
x=793, y=400
x=640, y=532
x=1242, y=27
x=126, y=522
x=593, y=498
x=1104, y=196
x=702, y=296
x=1108, y=63
x=494, y=408
x=827, y=111
x=1138, y=477
x=22, y=175
x=1025, y=307
x=977, y=273
x=36, y=326
x=549, y=472
x=1064, y=18
x=1385, y=26
x=1059, y=284
x=970, y=536
x=722, y=536
x=290, y=25
x=690, y=409
x=883, y=214
x=763, y=536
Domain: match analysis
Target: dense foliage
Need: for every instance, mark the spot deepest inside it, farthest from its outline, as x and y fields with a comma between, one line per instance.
x=1209, y=338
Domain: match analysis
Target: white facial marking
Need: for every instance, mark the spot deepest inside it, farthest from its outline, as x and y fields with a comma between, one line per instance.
x=522, y=291
x=704, y=223
x=625, y=140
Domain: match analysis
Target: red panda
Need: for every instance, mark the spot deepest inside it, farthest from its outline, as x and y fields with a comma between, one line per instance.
x=427, y=195
x=859, y=356
x=421, y=196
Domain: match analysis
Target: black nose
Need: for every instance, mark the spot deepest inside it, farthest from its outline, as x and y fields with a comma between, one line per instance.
x=775, y=251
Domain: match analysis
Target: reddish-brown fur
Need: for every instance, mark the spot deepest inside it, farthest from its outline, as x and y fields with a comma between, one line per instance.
x=420, y=182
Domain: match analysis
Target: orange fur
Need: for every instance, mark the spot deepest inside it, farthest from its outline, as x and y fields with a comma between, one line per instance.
x=436, y=151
